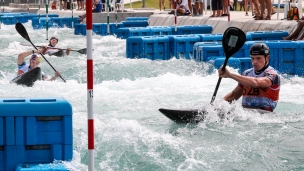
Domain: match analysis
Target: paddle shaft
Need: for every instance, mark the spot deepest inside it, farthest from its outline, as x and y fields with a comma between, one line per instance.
x=219, y=81
x=46, y=59
x=63, y=49
x=82, y=51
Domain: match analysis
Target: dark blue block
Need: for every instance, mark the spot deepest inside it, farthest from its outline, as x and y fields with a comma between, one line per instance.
x=204, y=52
x=268, y=35
x=198, y=44
x=124, y=33
x=99, y=28
x=41, y=167
x=181, y=46
x=196, y=29
x=160, y=30
x=137, y=18
x=135, y=23
x=41, y=22
x=114, y=27
x=150, y=47
x=80, y=29
x=238, y=63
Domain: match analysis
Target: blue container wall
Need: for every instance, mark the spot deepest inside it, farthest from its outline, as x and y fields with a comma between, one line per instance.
x=34, y=131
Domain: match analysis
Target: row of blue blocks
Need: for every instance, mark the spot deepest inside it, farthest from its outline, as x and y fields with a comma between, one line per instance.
x=13, y=18
x=187, y=46
x=29, y=134
x=124, y=32
x=40, y=22
x=285, y=56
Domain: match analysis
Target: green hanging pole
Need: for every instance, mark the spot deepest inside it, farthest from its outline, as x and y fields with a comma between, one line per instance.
x=108, y=18
x=72, y=13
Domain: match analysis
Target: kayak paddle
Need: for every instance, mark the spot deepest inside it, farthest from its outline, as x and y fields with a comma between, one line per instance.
x=233, y=40
x=22, y=31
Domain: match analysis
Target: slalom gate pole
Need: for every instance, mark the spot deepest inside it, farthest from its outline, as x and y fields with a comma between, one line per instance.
x=90, y=84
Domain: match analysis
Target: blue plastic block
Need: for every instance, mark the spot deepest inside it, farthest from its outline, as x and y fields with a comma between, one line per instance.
x=245, y=64
x=64, y=22
x=30, y=16
x=218, y=37
x=114, y=27
x=124, y=33
x=26, y=122
x=80, y=29
x=268, y=35
x=20, y=19
x=8, y=20
x=20, y=125
x=40, y=23
x=2, y=129
x=49, y=15
x=238, y=63
x=7, y=131
x=196, y=46
x=181, y=46
x=204, y=52
x=248, y=37
x=160, y=30
x=175, y=30
x=285, y=55
x=242, y=52
x=211, y=37
x=232, y=62
x=135, y=23
x=41, y=167
x=16, y=107
x=137, y=18
x=57, y=22
x=99, y=29
x=299, y=66
x=196, y=29
x=139, y=31
x=44, y=153
x=150, y=47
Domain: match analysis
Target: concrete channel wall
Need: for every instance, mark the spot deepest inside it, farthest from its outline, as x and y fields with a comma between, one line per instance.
x=162, y=18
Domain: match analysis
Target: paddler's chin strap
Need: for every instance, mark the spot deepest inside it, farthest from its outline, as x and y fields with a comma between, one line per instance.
x=263, y=69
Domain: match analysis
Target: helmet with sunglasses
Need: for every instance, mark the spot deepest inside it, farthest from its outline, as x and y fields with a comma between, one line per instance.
x=259, y=49
x=36, y=57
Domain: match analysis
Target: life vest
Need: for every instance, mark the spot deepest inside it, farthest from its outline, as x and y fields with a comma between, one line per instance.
x=261, y=98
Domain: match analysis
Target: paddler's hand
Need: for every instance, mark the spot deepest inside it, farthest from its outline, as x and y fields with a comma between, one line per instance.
x=39, y=51
x=57, y=74
x=68, y=51
x=224, y=74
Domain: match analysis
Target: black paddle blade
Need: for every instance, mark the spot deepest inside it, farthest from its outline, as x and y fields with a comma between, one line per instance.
x=22, y=31
x=233, y=40
x=82, y=51
x=60, y=53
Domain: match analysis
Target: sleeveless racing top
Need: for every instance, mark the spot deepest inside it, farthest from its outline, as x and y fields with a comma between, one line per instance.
x=261, y=98
x=23, y=68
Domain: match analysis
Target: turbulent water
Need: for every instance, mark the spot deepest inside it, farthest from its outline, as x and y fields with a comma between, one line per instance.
x=130, y=133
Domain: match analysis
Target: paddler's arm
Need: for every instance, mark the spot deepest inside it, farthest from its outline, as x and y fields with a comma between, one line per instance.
x=57, y=74
x=245, y=80
x=235, y=94
x=67, y=52
x=25, y=54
